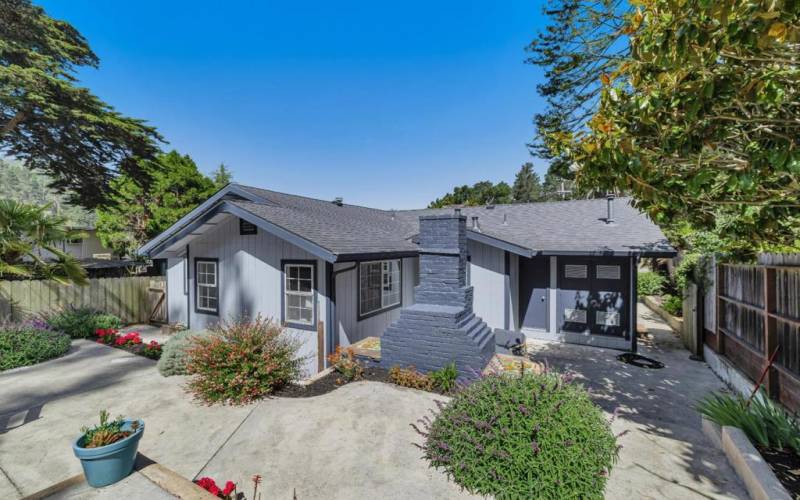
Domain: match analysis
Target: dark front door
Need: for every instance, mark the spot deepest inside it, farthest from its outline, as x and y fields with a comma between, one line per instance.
x=593, y=295
x=534, y=279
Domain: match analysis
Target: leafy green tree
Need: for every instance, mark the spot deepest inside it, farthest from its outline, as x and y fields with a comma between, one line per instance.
x=222, y=176
x=138, y=214
x=527, y=185
x=29, y=235
x=49, y=122
x=480, y=193
x=699, y=118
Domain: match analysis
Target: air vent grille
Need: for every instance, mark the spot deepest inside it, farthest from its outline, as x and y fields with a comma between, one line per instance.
x=575, y=271
x=608, y=272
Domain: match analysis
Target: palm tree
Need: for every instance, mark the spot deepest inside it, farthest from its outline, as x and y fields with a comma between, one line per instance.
x=26, y=230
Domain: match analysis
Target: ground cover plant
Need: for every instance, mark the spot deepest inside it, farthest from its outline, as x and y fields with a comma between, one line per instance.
x=23, y=344
x=529, y=436
x=444, y=379
x=672, y=304
x=107, y=432
x=82, y=322
x=131, y=342
x=242, y=361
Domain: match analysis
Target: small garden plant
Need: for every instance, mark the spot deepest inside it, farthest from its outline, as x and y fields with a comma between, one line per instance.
x=673, y=305
x=444, y=379
x=174, y=354
x=529, y=436
x=410, y=377
x=242, y=361
x=107, y=432
x=227, y=492
x=23, y=344
x=344, y=362
x=82, y=322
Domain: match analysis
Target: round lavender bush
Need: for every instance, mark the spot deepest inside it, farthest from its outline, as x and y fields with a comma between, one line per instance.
x=534, y=436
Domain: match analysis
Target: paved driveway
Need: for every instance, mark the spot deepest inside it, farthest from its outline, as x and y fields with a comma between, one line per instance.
x=665, y=453
x=352, y=443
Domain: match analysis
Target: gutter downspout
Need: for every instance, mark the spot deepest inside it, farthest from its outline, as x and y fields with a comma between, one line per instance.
x=188, y=290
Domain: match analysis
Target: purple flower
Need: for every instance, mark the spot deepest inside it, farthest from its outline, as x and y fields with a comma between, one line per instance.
x=523, y=410
x=535, y=447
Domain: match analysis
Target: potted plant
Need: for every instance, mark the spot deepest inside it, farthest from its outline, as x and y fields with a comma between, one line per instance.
x=107, y=451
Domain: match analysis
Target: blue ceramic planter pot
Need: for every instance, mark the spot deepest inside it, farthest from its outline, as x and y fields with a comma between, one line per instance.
x=109, y=464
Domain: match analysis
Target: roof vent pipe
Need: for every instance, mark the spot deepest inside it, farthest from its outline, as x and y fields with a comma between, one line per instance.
x=338, y=201
x=505, y=219
x=458, y=211
x=475, y=226
x=610, y=208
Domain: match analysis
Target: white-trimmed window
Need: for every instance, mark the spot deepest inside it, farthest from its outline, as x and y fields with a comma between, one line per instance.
x=379, y=286
x=298, y=304
x=207, y=286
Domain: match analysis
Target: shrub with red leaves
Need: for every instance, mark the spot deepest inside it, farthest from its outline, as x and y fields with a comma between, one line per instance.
x=242, y=361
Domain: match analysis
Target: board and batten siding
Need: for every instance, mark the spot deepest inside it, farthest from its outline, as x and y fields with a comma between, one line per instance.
x=176, y=298
x=491, y=285
x=249, y=276
x=350, y=329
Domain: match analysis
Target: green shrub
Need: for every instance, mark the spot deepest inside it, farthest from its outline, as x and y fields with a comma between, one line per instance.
x=174, y=356
x=764, y=422
x=444, y=379
x=672, y=304
x=82, y=322
x=649, y=283
x=241, y=362
x=30, y=343
x=529, y=436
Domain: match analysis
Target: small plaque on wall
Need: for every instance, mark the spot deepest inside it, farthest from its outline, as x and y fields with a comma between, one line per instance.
x=246, y=228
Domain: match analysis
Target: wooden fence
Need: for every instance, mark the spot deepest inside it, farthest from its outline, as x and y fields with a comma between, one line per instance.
x=135, y=299
x=757, y=316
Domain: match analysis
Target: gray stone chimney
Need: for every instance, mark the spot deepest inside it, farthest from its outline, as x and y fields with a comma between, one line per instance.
x=440, y=327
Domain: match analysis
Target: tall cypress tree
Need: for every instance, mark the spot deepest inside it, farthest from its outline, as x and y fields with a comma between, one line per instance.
x=527, y=185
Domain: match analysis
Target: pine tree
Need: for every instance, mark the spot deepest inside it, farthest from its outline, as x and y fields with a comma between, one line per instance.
x=527, y=185
x=222, y=176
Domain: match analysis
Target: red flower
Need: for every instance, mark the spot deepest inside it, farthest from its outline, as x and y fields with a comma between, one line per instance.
x=214, y=490
x=229, y=487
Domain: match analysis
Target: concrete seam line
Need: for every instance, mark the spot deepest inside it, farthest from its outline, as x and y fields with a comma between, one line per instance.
x=226, y=441
x=761, y=482
x=19, y=491
x=173, y=483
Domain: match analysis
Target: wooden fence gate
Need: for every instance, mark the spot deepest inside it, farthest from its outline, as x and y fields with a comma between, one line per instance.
x=135, y=299
x=757, y=314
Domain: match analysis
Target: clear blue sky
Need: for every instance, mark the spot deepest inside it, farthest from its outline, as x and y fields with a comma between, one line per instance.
x=385, y=104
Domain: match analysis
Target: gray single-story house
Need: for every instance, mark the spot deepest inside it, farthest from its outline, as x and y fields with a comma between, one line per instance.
x=335, y=274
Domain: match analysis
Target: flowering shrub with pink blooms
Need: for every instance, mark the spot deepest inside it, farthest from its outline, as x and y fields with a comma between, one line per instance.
x=529, y=436
x=242, y=361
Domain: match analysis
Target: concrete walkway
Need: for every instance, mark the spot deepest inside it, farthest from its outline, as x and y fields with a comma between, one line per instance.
x=352, y=443
x=665, y=453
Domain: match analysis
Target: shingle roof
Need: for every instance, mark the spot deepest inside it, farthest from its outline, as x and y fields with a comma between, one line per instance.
x=576, y=226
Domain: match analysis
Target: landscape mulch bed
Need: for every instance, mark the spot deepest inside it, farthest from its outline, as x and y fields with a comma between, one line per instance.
x=331, y=382
x=786, y=466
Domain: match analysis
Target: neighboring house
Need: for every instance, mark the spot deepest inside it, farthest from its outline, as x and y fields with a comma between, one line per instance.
x=85, y=248
x=335, y=274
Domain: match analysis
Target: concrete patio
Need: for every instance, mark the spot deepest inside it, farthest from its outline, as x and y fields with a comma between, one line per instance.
x=353, y=442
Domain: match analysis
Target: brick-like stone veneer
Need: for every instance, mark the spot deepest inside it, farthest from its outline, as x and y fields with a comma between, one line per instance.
x=440, y=327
